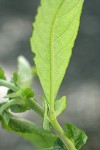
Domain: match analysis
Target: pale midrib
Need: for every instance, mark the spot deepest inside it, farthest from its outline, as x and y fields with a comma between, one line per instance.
x=52, y=59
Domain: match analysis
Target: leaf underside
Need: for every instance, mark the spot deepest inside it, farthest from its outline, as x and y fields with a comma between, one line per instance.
x=30, y=132
x=55, y=30
x=60, y=106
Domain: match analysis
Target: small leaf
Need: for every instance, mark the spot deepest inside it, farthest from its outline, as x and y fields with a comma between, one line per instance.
x=60, y=105
x=20, y=101
x=24, y=126
x=15, y=77
x=77, y=136
x=3, y=123
x=58, y=145
x=14, y=102
x=6, y=117
x=22, y=95
x=25, y=74
x=21, y=125
x=2, y=75
x=46, y=123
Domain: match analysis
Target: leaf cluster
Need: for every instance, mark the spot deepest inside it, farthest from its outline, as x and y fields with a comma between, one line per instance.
x=55, y=31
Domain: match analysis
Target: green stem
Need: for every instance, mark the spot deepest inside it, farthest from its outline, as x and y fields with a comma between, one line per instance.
x=9, y=85
x=36, y=107
x=67, y=142
x=8, y=104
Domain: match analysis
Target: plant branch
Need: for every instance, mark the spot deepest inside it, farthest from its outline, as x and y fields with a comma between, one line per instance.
x=9, y=85
x=67, y=142
x=36, y=107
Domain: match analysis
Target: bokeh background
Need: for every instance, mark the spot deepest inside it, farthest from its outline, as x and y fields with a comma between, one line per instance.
x=81, y=84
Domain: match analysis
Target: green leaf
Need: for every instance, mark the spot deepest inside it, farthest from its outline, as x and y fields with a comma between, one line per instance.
x=15, y=78
x=2, y=75
x=60, y=105
x=22, y=93
x=55, y=31
x=58, y=145
x=17, y=105
x=11, y=103
x=30, y=132
x=6, y=117
x=77, y=136
x=21, y=125
x=46, y=123
x=25, y=74
x=24, y=126
x=42, y=140
x=21, y=101
x=22, y=104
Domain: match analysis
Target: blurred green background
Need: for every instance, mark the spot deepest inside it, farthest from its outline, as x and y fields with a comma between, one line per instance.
x=81, y=84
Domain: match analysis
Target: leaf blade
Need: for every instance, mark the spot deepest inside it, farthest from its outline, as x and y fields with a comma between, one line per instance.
x=77, y=136
x=58, y=145
x=46, y=123
x=29, y=131
x=60, y=106
x=54, y=61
